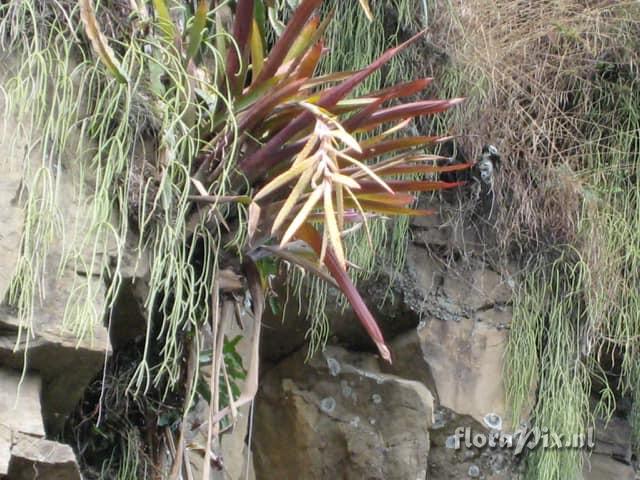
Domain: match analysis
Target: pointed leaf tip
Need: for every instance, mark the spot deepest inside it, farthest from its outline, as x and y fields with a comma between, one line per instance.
x=384, y=352
x=99, y=41
x=367, y=9
x=308, y=234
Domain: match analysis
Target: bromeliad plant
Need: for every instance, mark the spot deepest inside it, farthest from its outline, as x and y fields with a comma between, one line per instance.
x=285, y=153
x=311, y=157
x=311, y=163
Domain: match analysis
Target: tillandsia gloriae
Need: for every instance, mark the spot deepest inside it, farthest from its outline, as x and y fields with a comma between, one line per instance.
x=304, y=157
x=291, y=157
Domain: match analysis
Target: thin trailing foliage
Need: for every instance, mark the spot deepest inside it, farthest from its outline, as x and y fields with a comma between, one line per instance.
x=300, y=121
x=560, y=99
x=255, y=153
x=548, y=325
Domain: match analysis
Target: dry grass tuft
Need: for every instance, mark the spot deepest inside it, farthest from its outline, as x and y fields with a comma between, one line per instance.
x=534, y=73
x=556, y=86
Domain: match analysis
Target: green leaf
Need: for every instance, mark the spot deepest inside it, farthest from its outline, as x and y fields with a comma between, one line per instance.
x=291, y=32
x=197, y=27
x=165, y=22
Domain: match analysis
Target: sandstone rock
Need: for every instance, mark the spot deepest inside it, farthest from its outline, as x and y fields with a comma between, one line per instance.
x=477, y=289
x=428, y=287
x=452, y=460
x=65, y=364
x=611, y=455
x=338, y=416
x=614, y=439
x=437, y=287
x=463, y=361
x=11, y=219
x=431, y=230
x=445, y=232
x=12, y=146
x=601, y=467
x=66, y=355
x=409, y=361
x=457, y=315
x=36, y=458
x=20, y=409
x=5, y=450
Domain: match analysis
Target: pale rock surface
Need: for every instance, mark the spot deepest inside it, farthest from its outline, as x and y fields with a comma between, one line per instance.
x=447, y=318
x=11, y=219
x=20, y=409
x=458, y=347
x=339, y=416
x=24, y=453
x=37, y=458
x=54, y=349
x=604, y=467
x=462, y=361
x=5, y=450
x=61, y=358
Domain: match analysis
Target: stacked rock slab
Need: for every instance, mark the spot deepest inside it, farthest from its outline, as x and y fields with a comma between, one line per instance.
x=44, y=367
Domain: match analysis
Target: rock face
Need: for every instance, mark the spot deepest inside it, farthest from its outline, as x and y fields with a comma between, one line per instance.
x=451, y=459
x=24, y=453
x=448, y=317
x=6, y=437
x=20, y=409
x=339, y=416
x=612, y=454
x=461, y=359
x=61, y=358
x=50, y=348
x=599, y=467
x=11, y=219
x=39, y=458
x=65, y=365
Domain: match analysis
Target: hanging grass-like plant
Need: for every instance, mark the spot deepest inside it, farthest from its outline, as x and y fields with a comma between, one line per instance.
x=257, y=156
